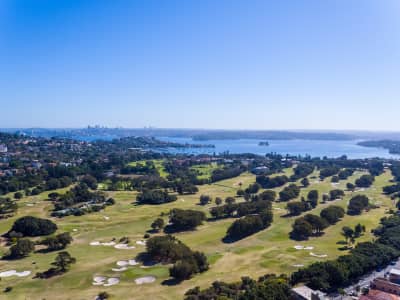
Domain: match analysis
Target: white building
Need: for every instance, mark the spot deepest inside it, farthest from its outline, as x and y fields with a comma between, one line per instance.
x=3, y=148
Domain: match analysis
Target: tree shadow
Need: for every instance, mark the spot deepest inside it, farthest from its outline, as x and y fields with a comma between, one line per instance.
x=171, y=282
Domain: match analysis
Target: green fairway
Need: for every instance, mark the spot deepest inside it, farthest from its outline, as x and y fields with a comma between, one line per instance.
x=270, y=250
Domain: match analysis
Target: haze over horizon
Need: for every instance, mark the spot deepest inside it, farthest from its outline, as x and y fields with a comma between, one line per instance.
x=262, y=65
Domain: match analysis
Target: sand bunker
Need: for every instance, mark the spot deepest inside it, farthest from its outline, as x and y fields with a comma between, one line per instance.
x=104, y=281
x=119, y=269
x=299, y=247
x=318, y=255
x=96, y=243
x=298, y=266
x=123, y=246
x=29, y=204
x=142, y=243
x=106, y=218
x=123, y=263
x=15, y=273
x=145, y=279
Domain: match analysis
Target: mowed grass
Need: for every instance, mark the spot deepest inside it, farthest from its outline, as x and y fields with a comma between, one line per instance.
x=158, y=163
x=205, y=170
x=268, y=251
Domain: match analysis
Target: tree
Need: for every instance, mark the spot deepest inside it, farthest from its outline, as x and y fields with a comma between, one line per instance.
x=317, y=223
x=253, y=188
x=312, y=197
x=325, y=197
x=57, y=242
x=158, y=224
x=188, y=219
x=350, y=186
x=336, y=194
x=7, y=207
x=90, y=181
x=301, y=229
x=295, y=208
x=365, y=181
x=268, y=195
x=357, y=204
x=103, y=296
x=21, y=249
x=230, y=200
x=218, y=201
x=348, y=233
x=305, y=182
x=358, y=230
x=63, y=261
x=18, y=195
x=332, y=214
x=183, y=269
x=155, y=197
x=205, y=199
x=290, y=192
x=32, y=226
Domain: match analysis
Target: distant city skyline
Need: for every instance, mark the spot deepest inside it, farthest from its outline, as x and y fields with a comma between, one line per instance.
x=261, y=65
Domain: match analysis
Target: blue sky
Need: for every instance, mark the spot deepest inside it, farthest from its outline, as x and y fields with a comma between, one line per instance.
x=305, y=64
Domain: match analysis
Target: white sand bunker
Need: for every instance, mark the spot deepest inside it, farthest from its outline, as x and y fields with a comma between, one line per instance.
x=119, y=269
x=106, y=218
x=15, y=273
x=298, y=265
x=299, y=247
x=123, y=263
x=145, y=279
x=104, y=281
x=30, y=204
x=74, y=230
x=124, y=246
x=318, y=255
x=96, y=243
x=142, y=243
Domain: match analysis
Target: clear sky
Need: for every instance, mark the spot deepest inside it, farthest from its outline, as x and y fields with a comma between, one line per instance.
x=287, y=64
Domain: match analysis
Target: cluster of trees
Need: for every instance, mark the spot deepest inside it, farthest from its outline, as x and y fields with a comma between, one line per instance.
x=345, y=173
x=168, y=249
x=79, y=200
x=357, y=204
x=302, y=170
x=249, y=225
x=62, y=264
x=205, y=199
x=336, y=194
x=292, y=191
x=351, y=234
x=365, y=181
x=31, y=226
x=226, y=173
x=239, y=209
x=58, y=242
x=295, y=208
x=391, y=189
x=268, y=287
x=313, y=225
x=23, y=247
x=332, y=214
x=147, y=168
x=329, y=171
x=185, y=219
x=155, y=197
x=7, y=208
x=269, y=182
x=365, y=257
